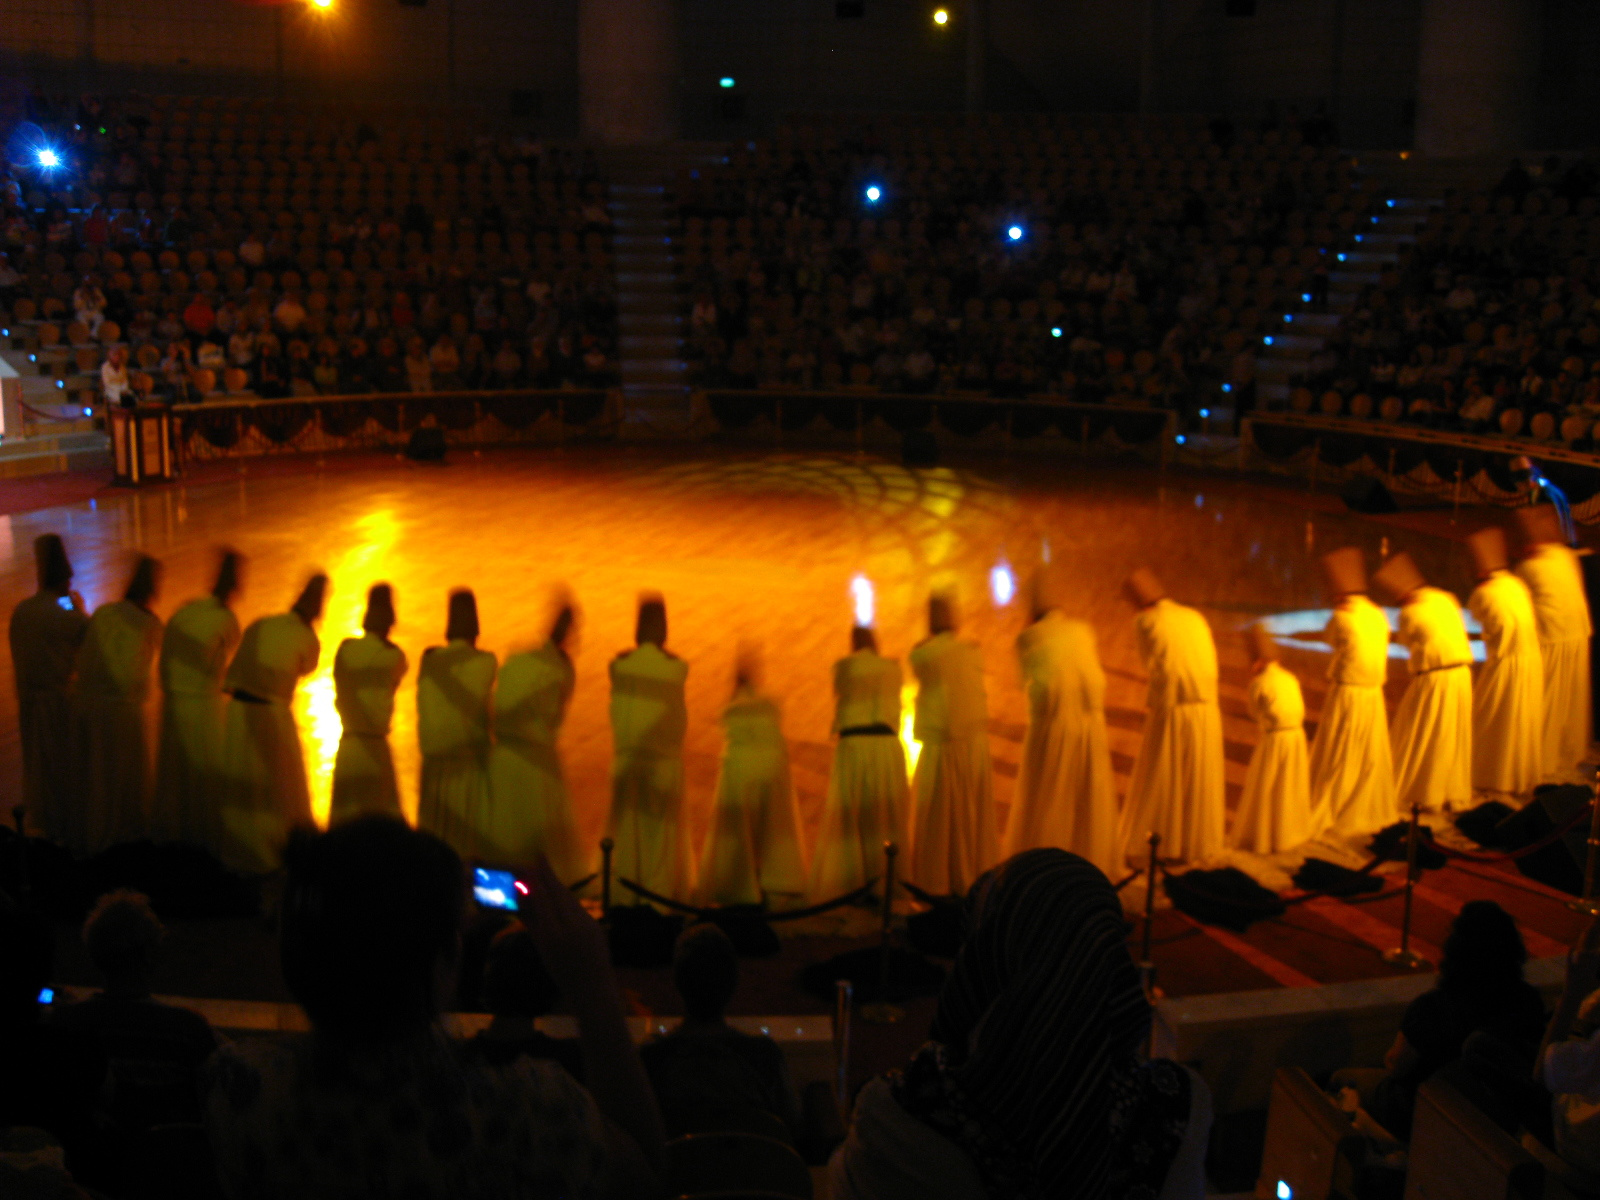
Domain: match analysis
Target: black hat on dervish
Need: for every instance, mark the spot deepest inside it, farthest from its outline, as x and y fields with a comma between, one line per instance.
x=463, y=623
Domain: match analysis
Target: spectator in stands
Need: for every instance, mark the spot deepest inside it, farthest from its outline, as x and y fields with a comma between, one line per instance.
x=418, y=366
x=89, y=304
x=416, y=1114
x=210, y=355
x=114, y=377
x=10, y=282
x=154, y=1049
x=49, y=1076
x=1032, y=1083
x=199, y=318
x=518, y=991
x=1480, y=989
x=289, y=315
x=705, y=1069
x=444, y=364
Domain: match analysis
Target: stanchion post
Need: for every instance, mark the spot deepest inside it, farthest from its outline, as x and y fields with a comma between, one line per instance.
x=1455, y=510
x=606, y=846
x=882, y=1012
x=1405, y=956
x=843, y=998
x=1316, y=457
x=1589, y=903
x=1147, y=968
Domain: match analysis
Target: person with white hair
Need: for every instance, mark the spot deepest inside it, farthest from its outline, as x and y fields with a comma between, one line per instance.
x=1176, y=789
x=648, y=721
x=1066, y=794
x=1432, y=729
x=955, y=836
x=200, y=639
x=1508, y=695
x=265, y=793
x=367, y=671
x=1550, y=569
x=752, y=852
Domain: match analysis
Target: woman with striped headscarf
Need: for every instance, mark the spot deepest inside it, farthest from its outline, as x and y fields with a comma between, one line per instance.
x=1032, y=1085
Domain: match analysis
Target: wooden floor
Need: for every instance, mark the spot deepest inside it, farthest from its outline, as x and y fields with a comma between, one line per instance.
x=762, y=547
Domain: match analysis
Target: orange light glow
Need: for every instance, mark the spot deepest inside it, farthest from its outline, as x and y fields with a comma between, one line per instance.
x=941, y=16
x=321, y=5
x=908, y=723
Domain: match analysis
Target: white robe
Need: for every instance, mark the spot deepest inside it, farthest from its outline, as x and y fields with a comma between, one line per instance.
x=1352, y=766
x=954, y=837
x=868, y=800
x=1274, y=813
x=1562, y=610
x=1432, y=729
x=1176, y=789
x=200, y=639
x=752, y=847
x=265, y=792
x=454, y=683
x=1066, y=794
x=647, y=821
x=1508, y=695
x=111, y=706
x=366, y=673
x=530, y=812
x=45, y=637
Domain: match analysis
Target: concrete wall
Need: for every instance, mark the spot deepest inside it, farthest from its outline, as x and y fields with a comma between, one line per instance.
x=368, y=49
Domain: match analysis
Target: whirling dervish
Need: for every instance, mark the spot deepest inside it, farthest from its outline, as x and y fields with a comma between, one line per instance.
x=367, y=671
x=1550, y=569
x=111, y=709
x=1274, y=813
x=752, y=849
x=454, y=683
x=1352, y=767
x=1508, y=695
x=530, y=812
x=46, y=630
x=264, y=792
x=868, y=800
x=648, y=722
x=1432, y=729
x=199, y=641
x=1066, y=794
x=954, y=838
x=1176, y=789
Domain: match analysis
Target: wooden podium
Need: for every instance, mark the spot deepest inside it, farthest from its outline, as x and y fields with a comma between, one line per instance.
x=141, y=444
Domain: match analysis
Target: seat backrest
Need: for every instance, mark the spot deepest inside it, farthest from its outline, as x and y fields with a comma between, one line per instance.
x=1311, y=1145
x=1457, y=1153
x=735, y=1162
x=1511, y=422
x=1543, y=426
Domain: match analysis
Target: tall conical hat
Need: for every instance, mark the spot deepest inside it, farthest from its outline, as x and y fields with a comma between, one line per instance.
x=1346, y=570
x=1263, y=645
x=380, y=609
x=1144, y=588
x=463, y=616
x=942, y=614
x=1488, y=550
x=50, y=557
x=1398, y=577
x=1047, y=589
x=1539, y=526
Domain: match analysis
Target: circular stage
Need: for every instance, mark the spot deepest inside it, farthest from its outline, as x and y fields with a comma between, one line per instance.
x=746, y=547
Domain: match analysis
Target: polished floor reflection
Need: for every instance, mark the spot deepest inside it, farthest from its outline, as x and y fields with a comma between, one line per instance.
x=746, y=547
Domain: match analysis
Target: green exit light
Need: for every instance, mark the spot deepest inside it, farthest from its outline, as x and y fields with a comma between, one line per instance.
x=727, y=81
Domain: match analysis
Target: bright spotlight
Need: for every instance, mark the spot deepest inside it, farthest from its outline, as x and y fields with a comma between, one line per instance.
x=1002, y=584
x=874, y=194
x=49, y=159
x=88, y=412
x=1055, y=331
x=322, y=5
x=862, y=601
x=726, y=81
x=941, y=16
x=1015, y=233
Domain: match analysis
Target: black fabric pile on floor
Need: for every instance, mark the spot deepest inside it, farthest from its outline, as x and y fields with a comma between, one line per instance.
x=1390, y=846
x=1226, y=897
x=1320, y=875
x=1481, y=824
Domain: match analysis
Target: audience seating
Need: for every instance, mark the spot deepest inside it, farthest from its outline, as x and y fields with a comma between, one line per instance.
x=1311, y=1144
x=727, y=1164
x=1457, y=1153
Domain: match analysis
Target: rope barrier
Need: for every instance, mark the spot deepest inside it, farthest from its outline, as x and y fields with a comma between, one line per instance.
x=706, y=914
x=1486, y=856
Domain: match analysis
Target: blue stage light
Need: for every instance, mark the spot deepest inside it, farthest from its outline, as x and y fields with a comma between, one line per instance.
x=727, y=81
x=1055, y=331
x=1015, y=233
x=874, y=194
x=48, y=158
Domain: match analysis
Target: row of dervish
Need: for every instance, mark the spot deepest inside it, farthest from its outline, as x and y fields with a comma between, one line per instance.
x=231, y=774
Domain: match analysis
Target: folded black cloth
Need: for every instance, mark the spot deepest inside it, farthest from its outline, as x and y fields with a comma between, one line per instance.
x=1320, y=875
x=1226, y=897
